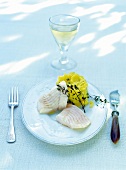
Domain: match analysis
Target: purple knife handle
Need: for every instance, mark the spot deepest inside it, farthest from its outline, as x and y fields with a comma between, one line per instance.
x=115, y=129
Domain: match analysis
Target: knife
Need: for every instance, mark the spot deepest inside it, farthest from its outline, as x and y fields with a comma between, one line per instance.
x=115, y=128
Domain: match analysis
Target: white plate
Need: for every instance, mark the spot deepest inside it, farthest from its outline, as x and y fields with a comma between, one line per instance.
x=46, y=128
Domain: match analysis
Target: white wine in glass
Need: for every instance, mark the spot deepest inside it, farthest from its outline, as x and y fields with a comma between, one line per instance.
x=64, y=28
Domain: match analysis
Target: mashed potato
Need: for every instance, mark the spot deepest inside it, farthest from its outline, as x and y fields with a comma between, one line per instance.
x=77, y=88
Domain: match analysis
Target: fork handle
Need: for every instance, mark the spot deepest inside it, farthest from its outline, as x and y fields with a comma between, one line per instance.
x=115, y=129
x=11, y=132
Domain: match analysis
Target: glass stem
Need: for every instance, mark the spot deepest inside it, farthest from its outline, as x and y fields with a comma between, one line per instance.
x=63, y=58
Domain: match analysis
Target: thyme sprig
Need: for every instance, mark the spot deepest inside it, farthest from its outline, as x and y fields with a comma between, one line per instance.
x=62, y=89
x=99, y=100
x=74, y=88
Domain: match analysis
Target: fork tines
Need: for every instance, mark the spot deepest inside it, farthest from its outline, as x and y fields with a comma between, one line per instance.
x=14, y=95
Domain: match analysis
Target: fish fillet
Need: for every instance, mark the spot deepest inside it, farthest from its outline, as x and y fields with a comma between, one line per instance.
x=56, y=99
x=73, y=117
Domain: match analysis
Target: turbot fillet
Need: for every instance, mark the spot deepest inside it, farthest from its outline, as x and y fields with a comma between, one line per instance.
x=73, y=117
x=56, y=99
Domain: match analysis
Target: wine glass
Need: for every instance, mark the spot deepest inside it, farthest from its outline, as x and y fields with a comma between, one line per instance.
x=64, y=28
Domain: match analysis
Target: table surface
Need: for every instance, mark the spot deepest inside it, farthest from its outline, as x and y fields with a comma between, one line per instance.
x=26, y=50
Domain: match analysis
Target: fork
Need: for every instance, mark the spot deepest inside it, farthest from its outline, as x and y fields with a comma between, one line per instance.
x=12, y=103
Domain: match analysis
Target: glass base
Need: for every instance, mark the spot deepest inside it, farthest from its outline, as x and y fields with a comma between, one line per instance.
x=67, y=66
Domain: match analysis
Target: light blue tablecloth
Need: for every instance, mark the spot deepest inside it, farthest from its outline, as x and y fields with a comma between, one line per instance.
x=26, y=50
